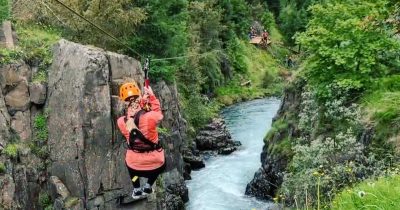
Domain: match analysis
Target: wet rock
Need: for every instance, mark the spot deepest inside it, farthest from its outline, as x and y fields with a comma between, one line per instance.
x=186, y=172
x=174, y=202
x=175, y=184
x=226, y=151
x=215, y=136
x=260, y=187
x=195, y=162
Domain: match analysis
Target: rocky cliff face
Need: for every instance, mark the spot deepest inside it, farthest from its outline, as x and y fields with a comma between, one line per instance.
x=269, y=176
x=82, y=164
x=215, y=136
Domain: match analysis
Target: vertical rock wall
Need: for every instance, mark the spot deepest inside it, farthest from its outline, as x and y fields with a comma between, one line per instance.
x=85, y=166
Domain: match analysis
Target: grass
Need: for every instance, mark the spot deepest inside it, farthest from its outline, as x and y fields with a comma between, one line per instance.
x=4, y=10
x=278, y=126
x=263, y=73
x=39, y=144
x=382, y=108
x=34, y=47
x=380, y=194
x=40, y=125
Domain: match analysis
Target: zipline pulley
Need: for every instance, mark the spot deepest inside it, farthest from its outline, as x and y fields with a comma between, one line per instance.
x=146, y=72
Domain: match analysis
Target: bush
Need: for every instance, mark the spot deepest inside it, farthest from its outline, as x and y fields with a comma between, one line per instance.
x=44, y=199
x=10, y=55
x=199, y=111
x=2, y=168
x=277, y=127
x=237, y=56
x=50, y=207
x=267, y=80
x=11, y=150
x=268, y=20
x=328, y=164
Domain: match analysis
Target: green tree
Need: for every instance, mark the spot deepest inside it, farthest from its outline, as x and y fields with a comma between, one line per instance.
x=163, y=34
x=293, y=17
x=119, y=17
x=205, y=21
x=350, y=45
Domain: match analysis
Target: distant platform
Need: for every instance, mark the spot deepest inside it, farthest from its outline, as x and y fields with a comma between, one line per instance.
x=258, y=40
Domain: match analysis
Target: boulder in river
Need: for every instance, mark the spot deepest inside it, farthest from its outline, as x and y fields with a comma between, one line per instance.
x=215, y=136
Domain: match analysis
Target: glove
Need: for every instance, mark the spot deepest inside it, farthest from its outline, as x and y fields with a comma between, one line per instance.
x=148, y=91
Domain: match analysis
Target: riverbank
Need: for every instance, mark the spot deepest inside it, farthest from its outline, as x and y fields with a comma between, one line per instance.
x=222, y=183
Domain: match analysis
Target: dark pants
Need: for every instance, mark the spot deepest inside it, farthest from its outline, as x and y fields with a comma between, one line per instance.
x=151, y=175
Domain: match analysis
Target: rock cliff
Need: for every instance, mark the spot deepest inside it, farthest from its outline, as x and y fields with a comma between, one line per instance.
x=80, y=161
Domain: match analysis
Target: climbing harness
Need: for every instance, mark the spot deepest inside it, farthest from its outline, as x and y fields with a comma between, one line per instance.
x=137, y=141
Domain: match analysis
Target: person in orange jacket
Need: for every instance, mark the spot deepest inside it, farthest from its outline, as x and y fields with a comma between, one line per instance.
x=144, y=156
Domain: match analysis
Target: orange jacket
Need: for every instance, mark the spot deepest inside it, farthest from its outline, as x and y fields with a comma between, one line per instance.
x=148, y=126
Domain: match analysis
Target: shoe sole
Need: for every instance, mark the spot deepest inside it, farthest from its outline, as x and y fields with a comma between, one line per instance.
x=138, y=197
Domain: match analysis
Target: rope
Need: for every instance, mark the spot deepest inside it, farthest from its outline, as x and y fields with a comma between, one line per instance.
x=100, y=29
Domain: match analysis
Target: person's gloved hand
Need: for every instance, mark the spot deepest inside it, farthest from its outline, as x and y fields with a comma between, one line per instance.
x=148, y=91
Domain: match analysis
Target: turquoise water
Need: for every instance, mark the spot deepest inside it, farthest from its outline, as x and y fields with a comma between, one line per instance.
x=222, y=183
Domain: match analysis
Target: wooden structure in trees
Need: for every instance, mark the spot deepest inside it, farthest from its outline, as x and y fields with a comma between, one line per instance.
x=258, y=40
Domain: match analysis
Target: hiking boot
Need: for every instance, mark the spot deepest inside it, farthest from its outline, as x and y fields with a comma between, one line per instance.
x=137, y=193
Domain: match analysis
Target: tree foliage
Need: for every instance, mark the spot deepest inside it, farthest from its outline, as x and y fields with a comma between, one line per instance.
x=192, y=42
x=350, y=46
x=120, y=17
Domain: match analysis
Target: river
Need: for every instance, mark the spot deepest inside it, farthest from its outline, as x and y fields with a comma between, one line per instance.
x=222, y=183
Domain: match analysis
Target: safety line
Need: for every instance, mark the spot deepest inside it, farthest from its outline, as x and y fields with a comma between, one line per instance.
x=102, y=30
x=123, y=43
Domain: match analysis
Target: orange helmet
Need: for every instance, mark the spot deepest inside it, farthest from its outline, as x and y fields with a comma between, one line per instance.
x=127, y=90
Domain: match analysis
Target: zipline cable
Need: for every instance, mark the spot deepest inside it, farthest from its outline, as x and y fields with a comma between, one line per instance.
x=97, y=27
x=123, y=43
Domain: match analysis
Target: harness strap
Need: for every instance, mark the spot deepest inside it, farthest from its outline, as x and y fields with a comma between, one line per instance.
x=137, y=134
